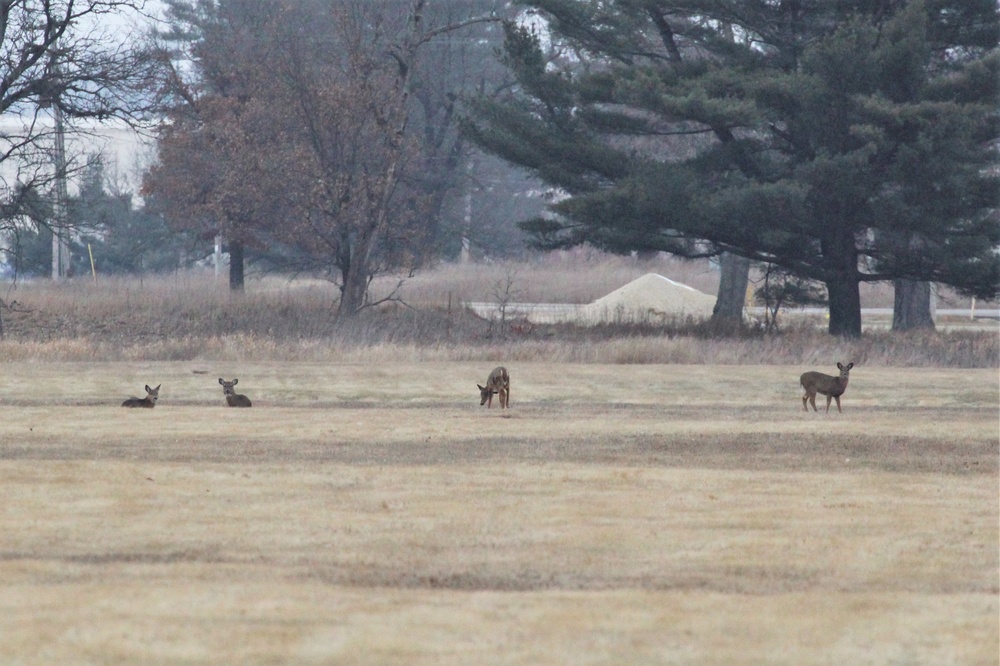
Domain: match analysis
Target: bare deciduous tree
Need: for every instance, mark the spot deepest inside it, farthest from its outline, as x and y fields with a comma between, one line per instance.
x=304, y=140
x=61, y=55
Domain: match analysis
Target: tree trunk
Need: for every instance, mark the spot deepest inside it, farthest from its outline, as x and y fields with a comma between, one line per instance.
x=354, y=282
x=235, y=265
x=911, y=308
x=354, y=291
x=352, y=295
x=734, y=277
x=845, y=306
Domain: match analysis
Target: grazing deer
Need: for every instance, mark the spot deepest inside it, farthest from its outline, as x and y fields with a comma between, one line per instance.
x=498, y=382
x=149, y=401
x=233, y=399
x=831, y=387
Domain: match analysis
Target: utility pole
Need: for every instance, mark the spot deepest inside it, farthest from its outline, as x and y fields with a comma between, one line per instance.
x=465, y=255
x=60, y=231
x=218, y=255
x=60, y=225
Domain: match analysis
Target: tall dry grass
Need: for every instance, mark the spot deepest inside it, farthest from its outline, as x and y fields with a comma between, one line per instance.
x=582, y=275
x=576, y=276
x=194, y=316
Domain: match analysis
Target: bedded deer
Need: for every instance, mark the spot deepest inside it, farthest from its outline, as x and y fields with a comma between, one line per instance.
x=152, y=394
x=497, y=383
x=831, y=387
x=233, y=399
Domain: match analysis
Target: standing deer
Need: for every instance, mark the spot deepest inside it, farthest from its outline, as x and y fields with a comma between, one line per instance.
x=498, y=382
x=233, y=399
x=152, y=394
x=831, y=387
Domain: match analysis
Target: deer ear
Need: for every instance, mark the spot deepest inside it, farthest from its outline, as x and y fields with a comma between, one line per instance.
x=158, y=387
x=235, y=381
x=481, y=388
x=221, y=381
x=149, y=390
x=840, y=366
x=850, y=365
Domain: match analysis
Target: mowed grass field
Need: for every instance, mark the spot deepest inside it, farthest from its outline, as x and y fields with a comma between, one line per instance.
x=617, y=514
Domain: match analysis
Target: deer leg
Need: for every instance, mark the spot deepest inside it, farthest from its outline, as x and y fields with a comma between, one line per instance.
x=828, y=399
x=812, y=401
x=805, y=401
x=837, y=398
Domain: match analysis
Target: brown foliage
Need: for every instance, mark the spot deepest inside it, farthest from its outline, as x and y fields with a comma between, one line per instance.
x=299, y=139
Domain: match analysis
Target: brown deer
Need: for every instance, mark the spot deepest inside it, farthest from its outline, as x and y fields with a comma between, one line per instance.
x=152, y=394
x=831, y=387
x=233, y=399
x=497, y=383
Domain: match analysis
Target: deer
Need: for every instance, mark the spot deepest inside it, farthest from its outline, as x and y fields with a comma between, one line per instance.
x=233, y=399
x=497, y=383
x=831, y=387
x=152, y=394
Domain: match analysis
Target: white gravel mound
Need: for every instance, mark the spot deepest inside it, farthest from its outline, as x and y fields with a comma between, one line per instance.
x=650, y=298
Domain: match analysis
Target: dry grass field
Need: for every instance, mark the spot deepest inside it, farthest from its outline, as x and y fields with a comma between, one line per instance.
x=373, y=513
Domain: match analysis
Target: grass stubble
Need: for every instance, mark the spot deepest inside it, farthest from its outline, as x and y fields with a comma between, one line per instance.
x=372, y=513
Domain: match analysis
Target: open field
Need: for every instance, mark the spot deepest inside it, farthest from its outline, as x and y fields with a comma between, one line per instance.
x=373, y=513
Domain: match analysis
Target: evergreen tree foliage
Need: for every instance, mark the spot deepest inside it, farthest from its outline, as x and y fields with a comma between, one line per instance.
x=26, y=240
x=842, y=140
x=121, y=238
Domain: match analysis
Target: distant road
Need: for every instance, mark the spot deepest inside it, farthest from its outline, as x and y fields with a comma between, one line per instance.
x=940, y=312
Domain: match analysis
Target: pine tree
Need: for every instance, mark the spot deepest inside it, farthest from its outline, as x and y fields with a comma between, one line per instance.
x=842, y=141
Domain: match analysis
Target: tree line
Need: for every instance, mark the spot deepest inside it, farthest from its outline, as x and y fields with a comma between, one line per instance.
x=833, y=142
